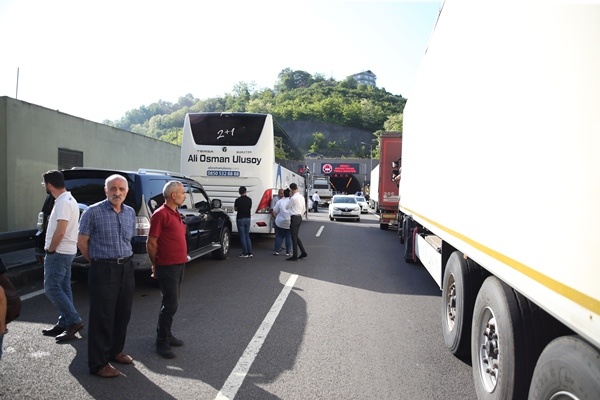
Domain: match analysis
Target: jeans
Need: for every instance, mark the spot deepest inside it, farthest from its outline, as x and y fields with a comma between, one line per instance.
x=57, y=286
x=1, y=340
x=243, y=226
x=280, y=234
x=169, y=280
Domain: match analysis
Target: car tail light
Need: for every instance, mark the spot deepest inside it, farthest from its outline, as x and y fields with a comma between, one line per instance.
x=264, y=207
x=142, y=226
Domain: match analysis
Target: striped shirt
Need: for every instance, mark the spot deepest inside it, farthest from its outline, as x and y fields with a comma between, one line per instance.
x=110, y=232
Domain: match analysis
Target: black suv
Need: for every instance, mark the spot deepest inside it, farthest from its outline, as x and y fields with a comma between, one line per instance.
x=209, y=227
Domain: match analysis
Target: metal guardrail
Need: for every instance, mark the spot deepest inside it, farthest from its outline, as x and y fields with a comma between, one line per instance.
x=17, y=240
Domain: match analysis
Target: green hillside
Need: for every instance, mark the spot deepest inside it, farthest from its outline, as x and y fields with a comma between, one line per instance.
x=297, y=96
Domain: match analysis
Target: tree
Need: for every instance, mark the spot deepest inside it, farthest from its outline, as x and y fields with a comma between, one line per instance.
x=289, y=80
x=394, y=123
x=317, y=144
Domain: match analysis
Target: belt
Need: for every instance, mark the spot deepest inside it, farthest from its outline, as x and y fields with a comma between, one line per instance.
x=297, y=215
x=121, y=260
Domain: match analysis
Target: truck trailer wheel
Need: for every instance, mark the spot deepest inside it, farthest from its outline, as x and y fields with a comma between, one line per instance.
x=383, y=227
x=401, y=228
x=500, y=357
x=409, y=239
x=569, y=368
x=459, y=289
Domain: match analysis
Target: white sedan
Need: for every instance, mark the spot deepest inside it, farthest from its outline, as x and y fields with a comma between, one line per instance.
x=362, y=202
x=344, y=207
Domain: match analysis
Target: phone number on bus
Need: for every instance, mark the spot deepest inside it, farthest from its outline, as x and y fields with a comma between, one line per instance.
x=222, y=173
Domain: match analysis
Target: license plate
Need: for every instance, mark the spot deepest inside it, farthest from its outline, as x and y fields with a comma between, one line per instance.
x=346, y=213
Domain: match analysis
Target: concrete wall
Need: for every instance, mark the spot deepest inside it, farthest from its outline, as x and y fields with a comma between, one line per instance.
x=30, y=136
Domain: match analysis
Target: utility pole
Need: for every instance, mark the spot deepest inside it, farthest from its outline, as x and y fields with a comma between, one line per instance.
x=17, y=90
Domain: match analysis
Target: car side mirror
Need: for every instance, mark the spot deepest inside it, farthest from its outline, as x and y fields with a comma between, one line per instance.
x=203, y=206
x=216, y=203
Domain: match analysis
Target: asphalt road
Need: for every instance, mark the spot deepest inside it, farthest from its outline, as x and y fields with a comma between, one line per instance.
x=351, y=321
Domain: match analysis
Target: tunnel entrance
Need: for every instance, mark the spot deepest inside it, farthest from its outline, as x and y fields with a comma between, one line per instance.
x=345, y=183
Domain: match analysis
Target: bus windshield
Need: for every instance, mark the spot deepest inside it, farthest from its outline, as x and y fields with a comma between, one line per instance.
x=226, y=129
x=240, y=129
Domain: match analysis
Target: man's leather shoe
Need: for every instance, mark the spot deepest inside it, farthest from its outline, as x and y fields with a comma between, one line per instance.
x=292, y=259
x=302, y=256
x=123, y=358
x=164, y=350
x=54, y=331
x=70, y=332
x=108, y=371
x=173, y=341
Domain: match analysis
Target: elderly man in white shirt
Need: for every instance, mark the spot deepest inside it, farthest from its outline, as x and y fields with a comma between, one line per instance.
x=296, y=207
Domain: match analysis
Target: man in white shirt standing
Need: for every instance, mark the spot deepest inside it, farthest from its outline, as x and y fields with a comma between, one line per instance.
x=61, y=248
x=296, y=207
x=316, y=200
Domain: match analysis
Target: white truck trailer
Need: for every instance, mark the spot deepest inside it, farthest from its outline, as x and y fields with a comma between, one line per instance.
x=374, y=189
x=500, y=191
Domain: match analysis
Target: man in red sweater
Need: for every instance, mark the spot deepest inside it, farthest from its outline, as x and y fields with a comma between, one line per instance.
x=167, y=249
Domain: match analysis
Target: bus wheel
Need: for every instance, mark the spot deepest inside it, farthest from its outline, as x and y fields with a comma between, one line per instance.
x=459, y=288
x=499, y=353
x=569, y=368
x=225, y=240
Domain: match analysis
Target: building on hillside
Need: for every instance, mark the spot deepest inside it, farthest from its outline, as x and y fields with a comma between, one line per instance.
x=366, y=77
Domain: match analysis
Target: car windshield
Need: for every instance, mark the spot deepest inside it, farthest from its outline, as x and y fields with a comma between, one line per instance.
x=344, y=200
x=360, y=199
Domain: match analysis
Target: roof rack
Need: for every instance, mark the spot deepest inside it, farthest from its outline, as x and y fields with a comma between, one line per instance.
x=160, y=172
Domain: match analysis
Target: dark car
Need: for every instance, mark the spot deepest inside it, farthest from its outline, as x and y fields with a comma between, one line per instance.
x=209, y=227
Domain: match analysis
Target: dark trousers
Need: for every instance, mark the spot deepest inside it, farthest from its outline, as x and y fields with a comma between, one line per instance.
x=169, y=280
x=296, y=220
x=111, y=288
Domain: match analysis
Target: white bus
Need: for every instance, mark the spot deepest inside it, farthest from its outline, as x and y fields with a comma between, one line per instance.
x=224, y=151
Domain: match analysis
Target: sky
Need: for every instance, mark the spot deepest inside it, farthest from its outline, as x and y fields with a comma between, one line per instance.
x=99, y=59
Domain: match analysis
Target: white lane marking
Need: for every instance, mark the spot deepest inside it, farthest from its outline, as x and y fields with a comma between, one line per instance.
x=32, y=294
x=320, y=230
x=237, y=376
